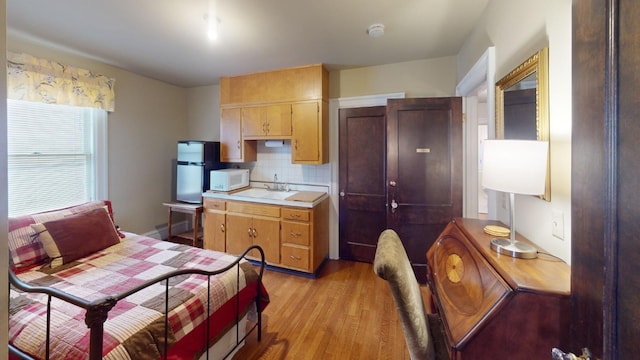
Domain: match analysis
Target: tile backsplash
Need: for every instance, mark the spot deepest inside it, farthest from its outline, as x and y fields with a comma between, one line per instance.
x=277, y=160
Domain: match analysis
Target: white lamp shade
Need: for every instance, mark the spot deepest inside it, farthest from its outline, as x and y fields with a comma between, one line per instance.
x=515, y=166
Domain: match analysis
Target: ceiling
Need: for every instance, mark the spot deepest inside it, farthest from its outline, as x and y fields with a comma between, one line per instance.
x=167, y=39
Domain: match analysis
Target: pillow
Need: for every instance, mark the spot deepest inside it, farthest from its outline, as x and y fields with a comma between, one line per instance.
x=24, y=248
x=77, y=236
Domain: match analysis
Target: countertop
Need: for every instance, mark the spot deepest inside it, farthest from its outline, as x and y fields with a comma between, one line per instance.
x=300, y=198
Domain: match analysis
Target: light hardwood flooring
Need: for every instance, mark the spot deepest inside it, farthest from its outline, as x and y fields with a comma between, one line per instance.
x=347, y=312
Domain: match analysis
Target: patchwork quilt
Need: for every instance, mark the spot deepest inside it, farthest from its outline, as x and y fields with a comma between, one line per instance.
x=135, y=328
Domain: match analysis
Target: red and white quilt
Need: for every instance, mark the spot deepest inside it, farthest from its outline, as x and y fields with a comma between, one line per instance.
x=135, y=326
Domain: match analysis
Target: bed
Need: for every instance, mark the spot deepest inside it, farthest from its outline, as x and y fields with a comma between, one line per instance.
x=80, y=288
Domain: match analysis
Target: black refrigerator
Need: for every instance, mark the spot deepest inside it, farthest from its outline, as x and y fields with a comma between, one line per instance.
x=194, y=162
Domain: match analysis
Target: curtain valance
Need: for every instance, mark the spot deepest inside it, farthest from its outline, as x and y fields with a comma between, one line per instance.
x=33, y=79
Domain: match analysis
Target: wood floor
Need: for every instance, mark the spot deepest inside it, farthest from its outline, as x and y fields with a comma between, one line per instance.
x=345, y=313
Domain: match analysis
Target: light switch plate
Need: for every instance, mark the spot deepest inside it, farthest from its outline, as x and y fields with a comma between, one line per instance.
x=557, y=224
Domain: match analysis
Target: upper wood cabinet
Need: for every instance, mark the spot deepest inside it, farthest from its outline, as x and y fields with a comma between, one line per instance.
x=309, y=142
x=286, y=85
x=233, y=148
x=273, y=121
x=282, y=104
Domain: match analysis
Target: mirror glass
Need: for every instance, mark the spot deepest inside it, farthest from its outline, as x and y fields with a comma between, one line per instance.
x=522, y=110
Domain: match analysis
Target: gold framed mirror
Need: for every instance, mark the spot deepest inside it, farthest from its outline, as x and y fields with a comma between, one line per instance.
x=522, y=104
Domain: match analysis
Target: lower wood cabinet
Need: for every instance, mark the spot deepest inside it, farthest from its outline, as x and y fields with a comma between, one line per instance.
x=295, y=238
x=493, y=306
x=215, y=219
x=254, y=224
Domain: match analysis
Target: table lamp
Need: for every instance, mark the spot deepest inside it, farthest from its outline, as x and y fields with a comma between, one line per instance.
x=515, y=167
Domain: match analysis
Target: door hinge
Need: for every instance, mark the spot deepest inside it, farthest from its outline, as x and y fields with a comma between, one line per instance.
x=464, y=118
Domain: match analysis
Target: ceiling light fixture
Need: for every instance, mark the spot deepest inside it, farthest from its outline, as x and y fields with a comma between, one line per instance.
x=212, y=20
x=375, y=30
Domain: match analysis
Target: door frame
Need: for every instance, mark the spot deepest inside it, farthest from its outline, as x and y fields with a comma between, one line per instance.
x=482, y=72
x=334, y=156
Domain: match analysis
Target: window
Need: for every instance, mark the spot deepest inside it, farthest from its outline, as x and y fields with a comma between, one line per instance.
x=57, y=156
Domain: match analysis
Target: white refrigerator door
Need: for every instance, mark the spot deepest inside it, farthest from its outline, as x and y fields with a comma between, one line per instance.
x=190, y=152
x=189, y=183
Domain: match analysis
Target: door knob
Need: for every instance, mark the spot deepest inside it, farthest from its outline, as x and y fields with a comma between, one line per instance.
x=341, y=193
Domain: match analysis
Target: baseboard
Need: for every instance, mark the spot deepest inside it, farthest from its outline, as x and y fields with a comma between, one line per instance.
x=161, y=233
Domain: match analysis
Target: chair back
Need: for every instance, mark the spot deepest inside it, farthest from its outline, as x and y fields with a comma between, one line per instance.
x=392, y=264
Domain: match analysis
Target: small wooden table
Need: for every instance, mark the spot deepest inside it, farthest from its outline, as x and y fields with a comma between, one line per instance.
x=195, y=210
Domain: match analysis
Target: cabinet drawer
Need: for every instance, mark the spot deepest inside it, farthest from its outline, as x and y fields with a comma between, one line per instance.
x=214, y=204
x=295, y=214
x=295, y=257
x=253, y=209
x=467, y=289
x=295, y=233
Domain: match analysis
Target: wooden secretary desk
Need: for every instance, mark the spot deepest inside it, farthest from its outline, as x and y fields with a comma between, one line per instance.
x=494, y=306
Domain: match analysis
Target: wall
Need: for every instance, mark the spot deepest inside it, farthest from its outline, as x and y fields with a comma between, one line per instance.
x=149, y=118
x=203, y=113
x=517, y=29
x=420, y=78
x=4, y=230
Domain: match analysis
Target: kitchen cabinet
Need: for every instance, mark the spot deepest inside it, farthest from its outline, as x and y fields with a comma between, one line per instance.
x=293, y=234
x=493, y=306
x=309, y=141
x=233, y=148
x=215, y=235
x=254, y=224
x=280, y=104
x=304, y=237
x=264, y=122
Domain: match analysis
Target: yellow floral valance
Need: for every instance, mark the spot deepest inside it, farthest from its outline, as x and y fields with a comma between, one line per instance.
x=33, y=79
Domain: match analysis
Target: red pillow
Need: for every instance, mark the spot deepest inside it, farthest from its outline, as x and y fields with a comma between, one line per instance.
x=77, y=236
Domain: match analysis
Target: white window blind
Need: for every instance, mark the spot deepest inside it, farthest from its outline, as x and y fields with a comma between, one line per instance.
x=56, y=156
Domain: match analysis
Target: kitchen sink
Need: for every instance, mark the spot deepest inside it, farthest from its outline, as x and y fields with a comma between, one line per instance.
x=265, y=194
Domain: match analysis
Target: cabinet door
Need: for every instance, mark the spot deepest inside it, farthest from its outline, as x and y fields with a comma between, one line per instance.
x=233, y=148
x=263, y=122
x=306, y=133
x=278, y=119
x=230, y=136
x=266, y=234
x=254, y=122
x=239, y=233
x=215, y=235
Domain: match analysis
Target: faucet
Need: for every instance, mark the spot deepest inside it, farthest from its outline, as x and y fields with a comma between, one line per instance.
x=276, y=186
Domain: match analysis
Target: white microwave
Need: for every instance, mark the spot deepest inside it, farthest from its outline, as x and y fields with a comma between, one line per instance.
x=228, y=179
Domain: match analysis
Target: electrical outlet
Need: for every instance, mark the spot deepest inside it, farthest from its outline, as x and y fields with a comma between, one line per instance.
x=557, y=224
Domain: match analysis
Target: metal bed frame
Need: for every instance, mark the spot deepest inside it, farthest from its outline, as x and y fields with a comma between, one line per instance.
x=98, y=310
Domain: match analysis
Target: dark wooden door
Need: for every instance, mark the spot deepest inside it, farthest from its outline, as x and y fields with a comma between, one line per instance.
x=424, y=171
x=415, y=144
x=605, y=178
x=362, y=181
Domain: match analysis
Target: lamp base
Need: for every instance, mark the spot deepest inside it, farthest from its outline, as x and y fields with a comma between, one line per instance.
x=517, y=249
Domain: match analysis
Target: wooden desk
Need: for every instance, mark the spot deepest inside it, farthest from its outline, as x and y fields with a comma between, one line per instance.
x=195, y=210
x=493, y=306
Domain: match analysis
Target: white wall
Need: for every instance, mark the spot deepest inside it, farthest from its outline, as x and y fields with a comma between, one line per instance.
x=420, y=78
x=203, y=113
x=517, y=29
